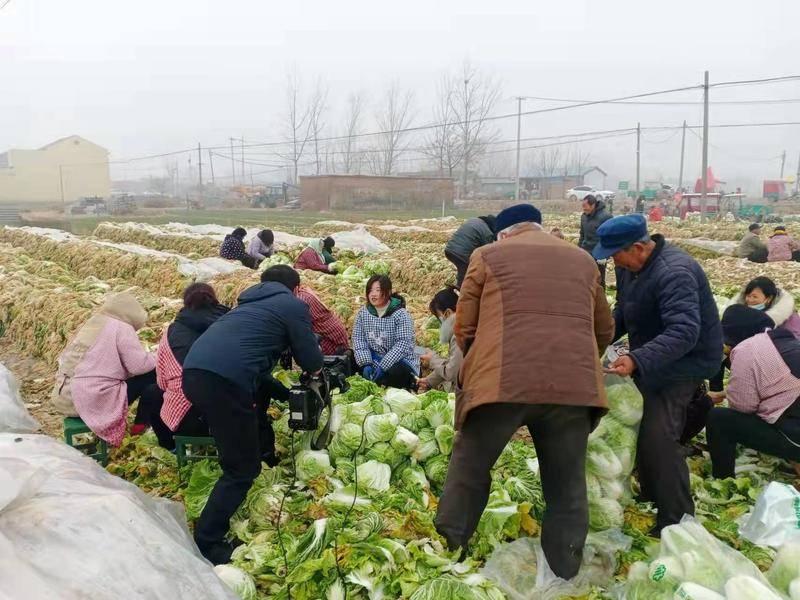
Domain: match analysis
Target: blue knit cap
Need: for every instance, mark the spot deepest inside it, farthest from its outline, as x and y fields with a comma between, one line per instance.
x=519, y=213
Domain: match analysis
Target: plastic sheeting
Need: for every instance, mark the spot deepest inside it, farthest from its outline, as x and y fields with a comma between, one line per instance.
x=70, y=530
x=774, y=519
x=14, y=417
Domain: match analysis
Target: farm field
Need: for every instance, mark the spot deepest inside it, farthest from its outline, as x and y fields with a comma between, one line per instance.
x=359, y=517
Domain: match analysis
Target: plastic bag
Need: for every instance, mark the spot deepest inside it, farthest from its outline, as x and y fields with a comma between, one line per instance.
x=521, y=571
x=774, y=518
x=14, y=417
x=689, y=553
x=71, y=530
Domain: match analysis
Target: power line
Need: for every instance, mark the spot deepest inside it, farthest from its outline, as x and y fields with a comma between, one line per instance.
x=756, y=81
x=4, y=4
x=676, y=102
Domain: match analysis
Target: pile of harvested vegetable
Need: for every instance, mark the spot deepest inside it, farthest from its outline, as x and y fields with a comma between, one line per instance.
x=356, y=521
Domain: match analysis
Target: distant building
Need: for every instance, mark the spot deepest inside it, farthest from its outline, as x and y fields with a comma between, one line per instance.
x=556, y=186
x=498, y=187
x=341, y=192
x=67, y=169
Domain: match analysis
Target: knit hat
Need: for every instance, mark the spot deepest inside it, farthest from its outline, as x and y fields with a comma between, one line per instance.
x=514, y=215
x=740, y=322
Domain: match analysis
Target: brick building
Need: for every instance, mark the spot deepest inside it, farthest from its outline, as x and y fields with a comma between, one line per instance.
x=342, y=192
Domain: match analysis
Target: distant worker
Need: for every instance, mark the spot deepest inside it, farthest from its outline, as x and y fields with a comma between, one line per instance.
x=532, y=321
x=104, y=369
x=227, y=376
x=313, y=259
x=473, y=234
x=383, y=337
x=665, y=305
x=640, y=204
x=782, y=246
x=444, y=371
x=232, y=248
x=332, y=333
x=594, y=214
x=327, y=250
x=200, y=310
x=751, y=247
x=262, y=246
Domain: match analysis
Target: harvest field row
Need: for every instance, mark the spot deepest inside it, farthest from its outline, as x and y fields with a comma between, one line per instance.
x=388, y=547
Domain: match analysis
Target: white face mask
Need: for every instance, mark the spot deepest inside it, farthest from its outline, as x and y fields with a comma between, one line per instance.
x=446, y=329
x=761, y=306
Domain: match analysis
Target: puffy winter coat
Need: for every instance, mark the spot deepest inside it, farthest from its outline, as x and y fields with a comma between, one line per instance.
x=669, y=313
x=473, y=234
x=781, y=312
x=589, y=224
x=243, y=345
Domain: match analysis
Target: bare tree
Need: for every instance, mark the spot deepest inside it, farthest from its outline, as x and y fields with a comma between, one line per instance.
x=392, y=118
x=472, y=104
x=547, y=161
x=316, y=108
x=576, y=161
x=351, y=158
x=443, y=144
x=298, y=124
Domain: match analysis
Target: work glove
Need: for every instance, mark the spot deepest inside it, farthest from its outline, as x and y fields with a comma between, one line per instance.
x=368, y=372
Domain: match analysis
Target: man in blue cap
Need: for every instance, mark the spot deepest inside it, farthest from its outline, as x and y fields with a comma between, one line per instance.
x=532, y=320
x=665, y=305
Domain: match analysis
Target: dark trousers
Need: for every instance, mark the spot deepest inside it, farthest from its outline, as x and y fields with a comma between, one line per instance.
x=461, y=265
x=232, y=416
x=559, y=434
x=144, y=388
x=399, y=376
x=759, y=256
x=193, y=424
x=602, y=268
x=661, y=460
x=728, y=428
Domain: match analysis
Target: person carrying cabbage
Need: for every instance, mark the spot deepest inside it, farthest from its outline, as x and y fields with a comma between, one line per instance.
x=531, y=358
x=666, y=307
x=444, y=371
x=383, y=337
x=313, y=258
x=763, y=410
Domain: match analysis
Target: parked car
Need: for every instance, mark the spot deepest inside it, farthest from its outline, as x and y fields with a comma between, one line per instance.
x=579, y=192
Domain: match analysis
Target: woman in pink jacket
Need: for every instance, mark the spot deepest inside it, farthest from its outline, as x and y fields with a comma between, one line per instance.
x=104, y=368
x=782, y=246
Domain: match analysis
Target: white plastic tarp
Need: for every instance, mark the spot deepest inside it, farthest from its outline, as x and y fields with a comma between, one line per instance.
x=14, y=417
x=70, y=530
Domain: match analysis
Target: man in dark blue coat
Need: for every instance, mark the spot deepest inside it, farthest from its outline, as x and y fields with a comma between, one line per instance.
x=665, y=305
x=227, y=376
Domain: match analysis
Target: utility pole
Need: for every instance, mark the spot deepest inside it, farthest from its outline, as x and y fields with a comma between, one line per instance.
x=244, y=175
x=211, y=164
x=783, y=163
x=704, y=191
x=683, y=150
x=638, y=155
x=797, y=177
x=233, y=165
x=466, y=138
x=519, y=130
x=61, y=183
x=200, y=165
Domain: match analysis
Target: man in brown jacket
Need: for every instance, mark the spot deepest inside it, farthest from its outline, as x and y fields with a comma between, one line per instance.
x=532, y=322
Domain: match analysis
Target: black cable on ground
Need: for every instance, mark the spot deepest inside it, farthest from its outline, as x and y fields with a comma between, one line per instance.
x=280, y=515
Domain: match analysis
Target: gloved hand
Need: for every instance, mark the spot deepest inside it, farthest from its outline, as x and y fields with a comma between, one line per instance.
x=378, y=373
x=368, y=372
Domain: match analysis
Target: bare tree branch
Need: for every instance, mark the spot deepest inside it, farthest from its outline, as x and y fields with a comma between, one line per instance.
x=298, y=124
x=351, y=158
x=316, y=107
x=443, y=145
x=392, y=118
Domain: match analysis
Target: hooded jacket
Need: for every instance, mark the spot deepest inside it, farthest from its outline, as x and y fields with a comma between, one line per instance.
x=175, y=344
x=472, y=234
x=312, y=258
x=589, y=224
x=532, y=321
x=385, y=340
x=94, y=367
x=243, y=345
x=669, y=313
x=781, y=312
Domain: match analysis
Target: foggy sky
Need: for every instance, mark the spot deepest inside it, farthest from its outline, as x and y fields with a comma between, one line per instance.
x=155, y=76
